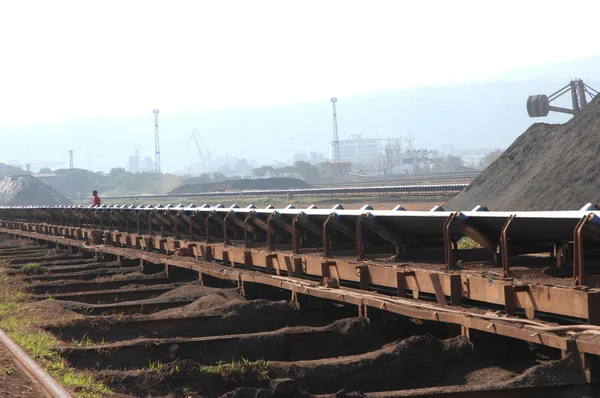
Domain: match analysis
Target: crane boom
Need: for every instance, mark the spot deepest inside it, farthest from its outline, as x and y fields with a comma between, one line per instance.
x=205, y=159
x=209, y=154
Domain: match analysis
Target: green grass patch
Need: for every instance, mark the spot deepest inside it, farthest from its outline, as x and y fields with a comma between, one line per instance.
x=18, y=321
x=242, y=372
x=468, y=243
x=32, y=269
x=236, y=370
x=84, y=342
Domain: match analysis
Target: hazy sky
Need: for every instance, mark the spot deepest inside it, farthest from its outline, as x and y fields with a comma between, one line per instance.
x=71, y=59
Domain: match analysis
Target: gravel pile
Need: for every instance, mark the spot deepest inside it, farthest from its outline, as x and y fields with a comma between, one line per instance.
x=549, y=167
x=28, y=190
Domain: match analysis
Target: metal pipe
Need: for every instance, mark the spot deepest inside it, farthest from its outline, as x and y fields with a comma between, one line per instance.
x=36, y=372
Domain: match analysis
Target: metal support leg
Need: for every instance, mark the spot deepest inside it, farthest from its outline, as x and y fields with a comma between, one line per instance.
x=270, y=232
x=360, y=244
x=295, y=234
x=325, y=240
x=225, y=241
x=504, y=246
x=448, y=246
x=207, y=228
x=578, y=271
x=246, y=229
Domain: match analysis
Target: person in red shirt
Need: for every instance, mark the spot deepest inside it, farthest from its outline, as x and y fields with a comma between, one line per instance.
x=96, y=200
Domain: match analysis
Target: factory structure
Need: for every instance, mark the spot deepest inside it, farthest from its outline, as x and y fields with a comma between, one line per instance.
x=134, y=161
x=384, y=157
x=378, y=156
x=356, y=149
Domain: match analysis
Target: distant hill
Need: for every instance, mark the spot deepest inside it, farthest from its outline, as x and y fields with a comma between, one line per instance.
x=475, y=115
x=7, y=171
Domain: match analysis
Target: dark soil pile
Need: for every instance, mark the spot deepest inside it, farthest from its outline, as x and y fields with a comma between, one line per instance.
x=416, y=362
x=206, y=298
x=549, y=167
x=193, y=186
x=420, y=360
x=28, y=190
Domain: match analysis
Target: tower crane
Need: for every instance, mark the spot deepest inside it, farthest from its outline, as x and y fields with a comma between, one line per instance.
x=204, y=158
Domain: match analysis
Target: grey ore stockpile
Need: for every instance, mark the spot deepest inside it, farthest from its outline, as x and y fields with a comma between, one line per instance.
x=549, y=167
x=28, y=190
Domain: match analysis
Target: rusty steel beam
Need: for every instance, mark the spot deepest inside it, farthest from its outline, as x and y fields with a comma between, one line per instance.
x=270, y=232
x=295, y=236
x=554, y=300
x=449, y=246
x=296, y=267
x=326, y=237
x=494, y=391
x=360, y=243
x=241, y=223
x=246, y=220
x=589, y=225
x=419, y=229
x=147, y=220
x=504, y=246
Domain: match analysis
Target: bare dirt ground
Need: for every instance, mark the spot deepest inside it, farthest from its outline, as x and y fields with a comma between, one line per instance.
x=213, y=341
x=13, y=381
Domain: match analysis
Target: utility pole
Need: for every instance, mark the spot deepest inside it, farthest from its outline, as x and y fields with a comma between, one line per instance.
x=70, y=158
x=157, y=153
x=336, y=142
x=410, y=141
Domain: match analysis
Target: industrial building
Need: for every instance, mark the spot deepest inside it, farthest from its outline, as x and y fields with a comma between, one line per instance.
x=357, y=149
